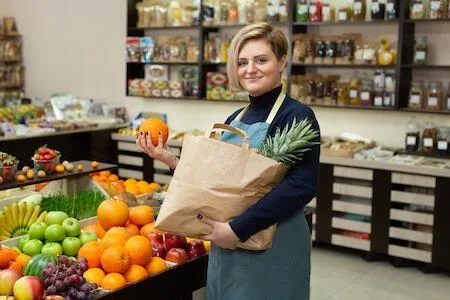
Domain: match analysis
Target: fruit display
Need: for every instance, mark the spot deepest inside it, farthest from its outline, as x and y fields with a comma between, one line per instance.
x=8, y=166
x=37, y=264
x=46, y=159
x=16, y=219
x=19, y=113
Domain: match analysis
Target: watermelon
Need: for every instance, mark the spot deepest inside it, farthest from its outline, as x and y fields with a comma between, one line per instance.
x=37, y=264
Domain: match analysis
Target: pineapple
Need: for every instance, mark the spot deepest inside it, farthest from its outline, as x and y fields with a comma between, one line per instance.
x=289, y=145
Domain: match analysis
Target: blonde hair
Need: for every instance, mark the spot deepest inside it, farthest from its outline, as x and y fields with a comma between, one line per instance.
x=275, y=37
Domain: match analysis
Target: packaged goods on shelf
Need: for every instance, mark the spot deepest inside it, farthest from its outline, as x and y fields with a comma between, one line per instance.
x=429, y=95
x=216, y=48
x=12, y=76
x=161, y=13
x=217, y=88
x=10, y=50
x=343, y=147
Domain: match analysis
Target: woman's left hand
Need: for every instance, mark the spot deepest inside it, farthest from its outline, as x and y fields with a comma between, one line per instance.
x=222, y=235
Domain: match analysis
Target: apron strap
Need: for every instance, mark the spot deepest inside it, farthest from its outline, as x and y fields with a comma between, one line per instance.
x=272, y=113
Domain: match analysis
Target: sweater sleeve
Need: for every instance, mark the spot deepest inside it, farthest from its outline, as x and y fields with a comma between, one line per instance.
x=292, y=194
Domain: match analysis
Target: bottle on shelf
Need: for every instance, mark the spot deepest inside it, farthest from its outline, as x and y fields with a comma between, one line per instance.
x=302, y=11
x=443, y=140
x=391, y=10
x=377, y=10
x=447, y=100
x=429, y=137
x=416, y=95
x=359, y=10
x=434, y=95
x=315, y=11
x=345, y=11
x=412, y=139
x=417, y=10
x=327, y=11
x=436, y=9
x=421, y=50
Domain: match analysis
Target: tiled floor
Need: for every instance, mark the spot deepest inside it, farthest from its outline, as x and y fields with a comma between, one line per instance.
x=341, y=276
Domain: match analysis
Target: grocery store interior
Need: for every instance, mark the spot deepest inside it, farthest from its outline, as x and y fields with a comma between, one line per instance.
x=80, y=77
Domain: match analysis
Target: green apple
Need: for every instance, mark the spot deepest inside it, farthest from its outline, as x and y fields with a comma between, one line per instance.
x=52, y=248
x=32, y=247
x=55, y=217
x=72, y=227
x=55, y=233
x=71, y=245
x=86, y=236
x=23, y=241
x=37, y=231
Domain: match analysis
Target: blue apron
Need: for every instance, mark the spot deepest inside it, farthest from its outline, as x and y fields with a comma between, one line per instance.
x=279, y=273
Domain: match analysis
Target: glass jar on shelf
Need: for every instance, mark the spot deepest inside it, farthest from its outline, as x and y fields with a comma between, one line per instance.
x=421, y=50
x=412, y=138
x=327, y=11
x=315, y=11
x=443, y=140
x=391, y=10
x=417, y=10
x=436, y=9
x=302, y=11
x=330, y=50
x=416, y=95
x=344, y=13
x=389, y=81
x=377, y=10
x=359, y=10
x=379, y=79
x=429, y=137
x=366, y=92
x=283, y=15
x=342, y=93
x=378, y=97
x=354, y=88
x=434, y=95
x=320, y=51
x=389, y=98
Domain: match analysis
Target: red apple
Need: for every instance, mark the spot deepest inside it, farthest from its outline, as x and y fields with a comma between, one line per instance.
x=158, y=249
x=155, y=236
x=177, y=255
x=7, y=280
x=195, y=248
x=29, y=288
x=174, y=241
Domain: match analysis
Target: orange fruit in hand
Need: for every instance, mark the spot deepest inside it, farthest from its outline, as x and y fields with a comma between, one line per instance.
x=140, y=250
x=92, y=251
x=156, y=265
x=94, y=275
x=135, y=273
x=141, y=215
x=115, y=259
x=113, y=281
x=153, y=126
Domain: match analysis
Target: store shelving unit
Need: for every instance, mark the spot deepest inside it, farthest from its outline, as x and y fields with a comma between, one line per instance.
x=10, y=63
x=404, y=67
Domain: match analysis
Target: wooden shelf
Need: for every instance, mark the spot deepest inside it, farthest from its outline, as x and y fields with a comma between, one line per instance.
x=347, y=23
x=163, y=63
x=240, y=25
x=344, y=66
x=420, y=153
x=214, y=64
x=363, y=107
x=420, y=110
x=428, y=21
x=193, y=99
x=57, y=176
x=434, y=67
x=162, y=28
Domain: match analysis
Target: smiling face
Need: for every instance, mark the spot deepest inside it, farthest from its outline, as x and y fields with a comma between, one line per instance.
x=259, y=70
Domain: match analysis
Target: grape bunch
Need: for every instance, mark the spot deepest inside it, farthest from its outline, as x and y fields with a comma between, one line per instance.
x=66, y=279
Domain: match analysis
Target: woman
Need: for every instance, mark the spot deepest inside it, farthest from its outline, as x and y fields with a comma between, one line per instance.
x=257, y=59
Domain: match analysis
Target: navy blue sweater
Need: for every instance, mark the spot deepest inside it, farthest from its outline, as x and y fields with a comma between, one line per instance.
x=300, y=184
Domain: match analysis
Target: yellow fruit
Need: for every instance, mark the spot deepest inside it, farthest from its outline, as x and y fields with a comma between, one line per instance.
x=41, y=174
x=21, y=178
x=130, y=181
x=80, y=167
x=207, y=245
x=60, y=169
x=133, y=189
x=94, y=164
x=94, y=275
x=142, y=183
x=155, y=266
x=113, y=281
x=145, y=189
x=30, y=174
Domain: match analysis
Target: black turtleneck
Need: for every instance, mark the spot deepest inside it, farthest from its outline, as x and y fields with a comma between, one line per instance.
x=300, y=184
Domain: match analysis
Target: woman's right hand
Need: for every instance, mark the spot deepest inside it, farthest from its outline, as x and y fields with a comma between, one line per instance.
x=160, y=152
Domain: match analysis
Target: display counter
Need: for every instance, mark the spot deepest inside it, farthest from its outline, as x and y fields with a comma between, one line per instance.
x=87, y=143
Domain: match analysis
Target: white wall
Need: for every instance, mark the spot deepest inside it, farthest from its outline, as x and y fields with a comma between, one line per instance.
x=78, y=47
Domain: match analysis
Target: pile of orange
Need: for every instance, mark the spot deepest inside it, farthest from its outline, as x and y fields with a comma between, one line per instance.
x=123, y=255
x=114, y=185
x=11, y=258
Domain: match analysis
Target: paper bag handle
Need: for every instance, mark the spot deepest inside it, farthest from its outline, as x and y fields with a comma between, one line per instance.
x=218, y=127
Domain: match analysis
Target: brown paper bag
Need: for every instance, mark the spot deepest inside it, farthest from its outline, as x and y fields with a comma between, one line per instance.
x=220, y=180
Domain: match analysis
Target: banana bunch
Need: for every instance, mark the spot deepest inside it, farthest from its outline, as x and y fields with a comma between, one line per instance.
x=16, y=219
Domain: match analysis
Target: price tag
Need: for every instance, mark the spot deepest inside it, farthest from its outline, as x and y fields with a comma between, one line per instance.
x=411, y=140
x=378, y=101
x=342, y=16
x=417, y=8
x=390, y=7
x=443, y=145
x=435, y=5
x=432, y=101
x=427, y=142
x=365, y=96
x=357, y=6
x=353, y=93
x=420, y=55
x=302, y=9
x=415, y=99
